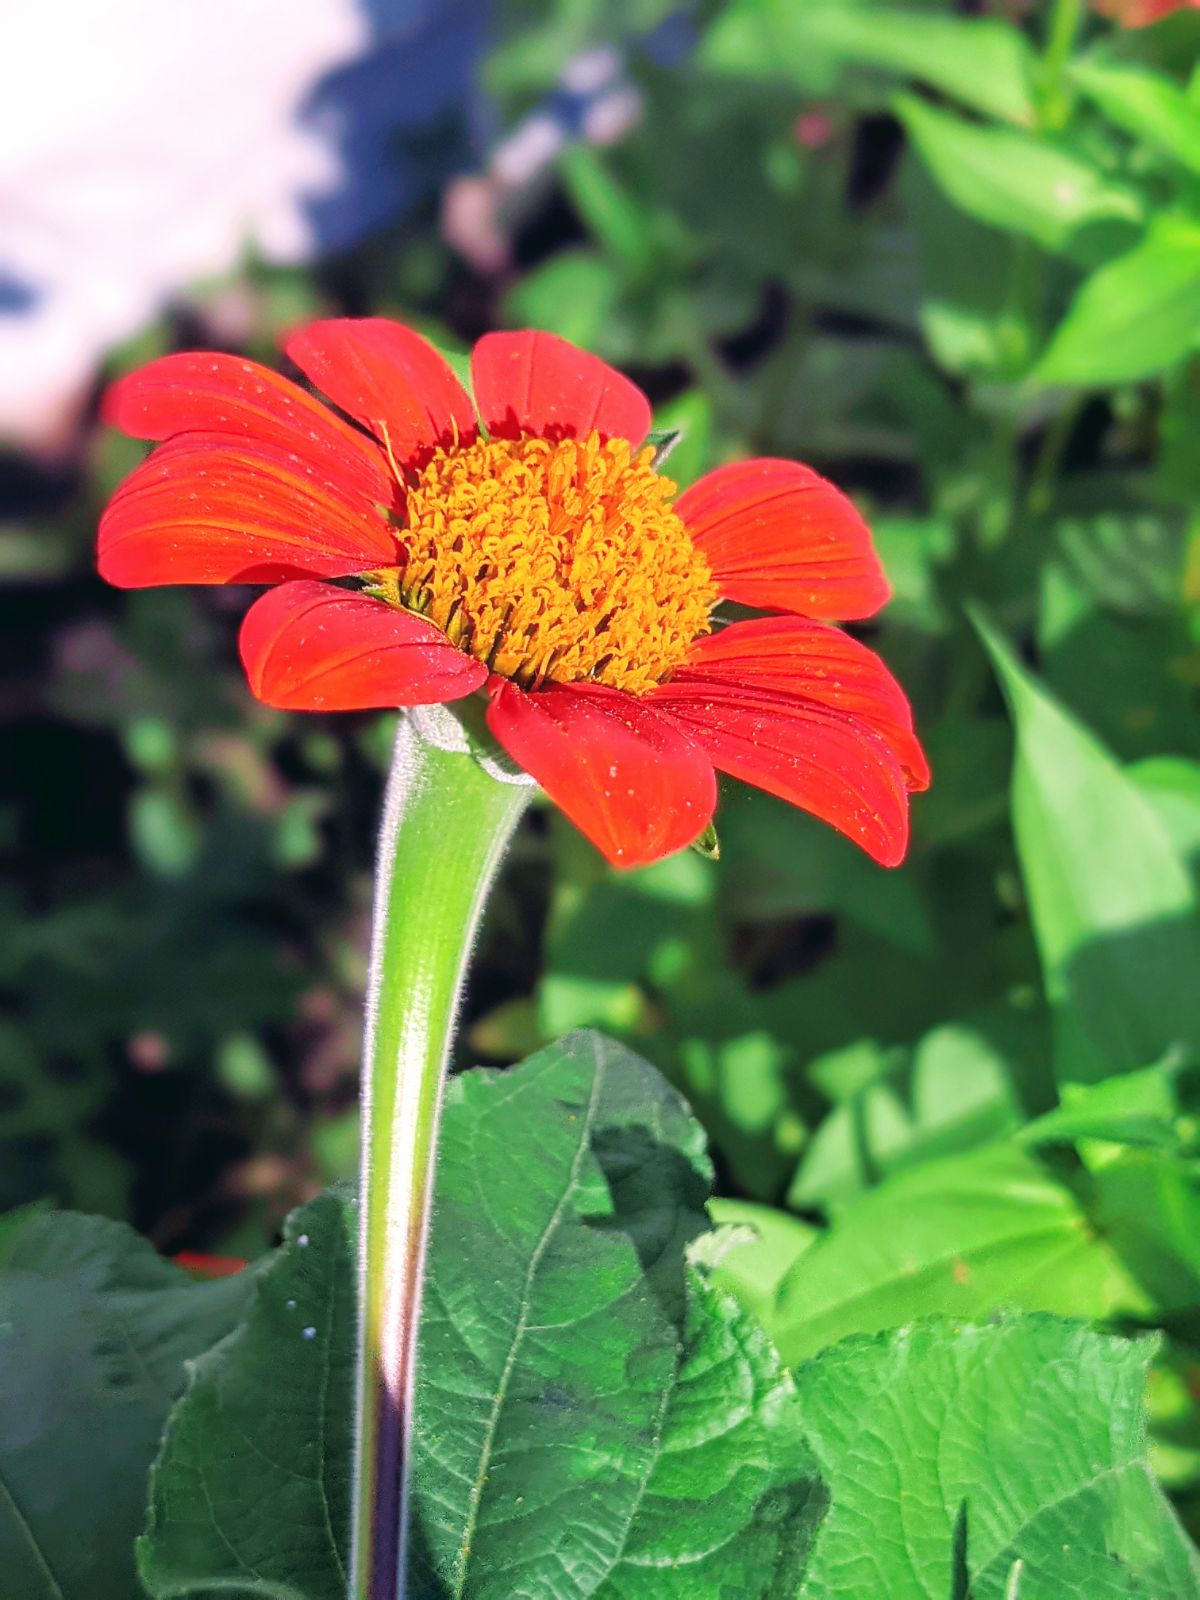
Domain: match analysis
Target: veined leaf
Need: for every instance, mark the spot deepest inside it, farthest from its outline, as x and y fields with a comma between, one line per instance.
x=952, y=1474
x=1014, y=180
x=593, y=1418
x=251, y=1492
x=960, y=1237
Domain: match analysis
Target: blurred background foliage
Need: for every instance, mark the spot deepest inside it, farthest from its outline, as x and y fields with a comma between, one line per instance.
x=949, y=256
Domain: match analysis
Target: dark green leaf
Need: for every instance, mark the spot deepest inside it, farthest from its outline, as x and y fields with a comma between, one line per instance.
x=251, y=1490
x=95, y=1333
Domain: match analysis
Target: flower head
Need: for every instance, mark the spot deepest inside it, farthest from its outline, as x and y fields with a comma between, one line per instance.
x=533, y=553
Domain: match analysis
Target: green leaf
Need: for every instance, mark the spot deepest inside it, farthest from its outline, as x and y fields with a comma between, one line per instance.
x=593, y=1418
x=960, y=1237
x=733, y=1499
x=1014, y=180
x=95, y=1333
x=984, y=63
x=1111, y=900
x=993, y=1463
x=620, y=220
x=1140, y=1108
x=968, y=313
x=573, y=293
x=761, y=1246
x=950, y=1092
x=1124, y=551
x=1133, y=317
x=251, y=1489
x=1145, y=104
x=1172, y=786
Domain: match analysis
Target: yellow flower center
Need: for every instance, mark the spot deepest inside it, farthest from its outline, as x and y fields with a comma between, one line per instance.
x=553, y=561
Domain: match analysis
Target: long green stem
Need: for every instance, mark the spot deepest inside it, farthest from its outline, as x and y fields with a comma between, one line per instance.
x=1054, y=104
x=448, y=815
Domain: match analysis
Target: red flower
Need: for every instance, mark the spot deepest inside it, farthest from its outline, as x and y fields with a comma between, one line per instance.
x=541, y=562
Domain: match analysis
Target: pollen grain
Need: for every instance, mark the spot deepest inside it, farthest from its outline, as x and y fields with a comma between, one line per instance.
x=553, y=561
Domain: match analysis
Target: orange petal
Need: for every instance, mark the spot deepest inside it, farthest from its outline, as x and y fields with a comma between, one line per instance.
x=206, y=508
x=836, y=766
x=389, y=379
x=313, y=647
x=206, y=392
x=814, y=664
x=779, y=536
x=628, y=778
x=536, y=383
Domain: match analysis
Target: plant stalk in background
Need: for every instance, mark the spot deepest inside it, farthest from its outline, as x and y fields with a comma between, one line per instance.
x=449, y=813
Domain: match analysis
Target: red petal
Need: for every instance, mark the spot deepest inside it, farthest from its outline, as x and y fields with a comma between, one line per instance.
x=389, y=379
x=312, y=647
x=207, y=509
x=779, y=536
x=813, y=663
x=536, y=383
x=204, y=392
x=629, y=779
x=836, y=766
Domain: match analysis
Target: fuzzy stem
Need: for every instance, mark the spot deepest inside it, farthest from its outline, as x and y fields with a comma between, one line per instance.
x=449, y=813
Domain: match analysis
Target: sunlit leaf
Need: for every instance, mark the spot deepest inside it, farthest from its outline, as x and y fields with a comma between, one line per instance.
x=1134, y=316
x=1146, y=104
x=962, y=1236
x=951, y=1472
x=1111, y=900
x=590, y=1411
x=982, y=62
x=1014, y=180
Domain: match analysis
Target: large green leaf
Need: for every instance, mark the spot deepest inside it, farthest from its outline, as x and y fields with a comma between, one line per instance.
x=1014, y=180
x=1134, y=316
x=1111, y=899
x=959, y=1236
x=733, y=1499
x=251, y=1490
x=95, y=1332
x=1000, y=1463
x=593, y=1419
x=985, y=63
x=1146, y=104
x=982, y=62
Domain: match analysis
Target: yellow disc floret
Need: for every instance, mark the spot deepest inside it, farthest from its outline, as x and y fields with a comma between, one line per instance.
x=558, y=562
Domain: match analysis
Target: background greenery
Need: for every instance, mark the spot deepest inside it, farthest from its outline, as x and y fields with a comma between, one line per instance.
x=952, y=260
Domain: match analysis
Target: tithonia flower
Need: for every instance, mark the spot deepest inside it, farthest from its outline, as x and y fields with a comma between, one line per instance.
x=420, y=552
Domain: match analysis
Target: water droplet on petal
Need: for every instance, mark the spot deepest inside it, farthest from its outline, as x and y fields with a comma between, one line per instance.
x=308, y=1333
x=302, y=1241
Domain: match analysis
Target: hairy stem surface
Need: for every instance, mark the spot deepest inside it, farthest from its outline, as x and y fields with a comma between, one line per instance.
x=449, y=813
